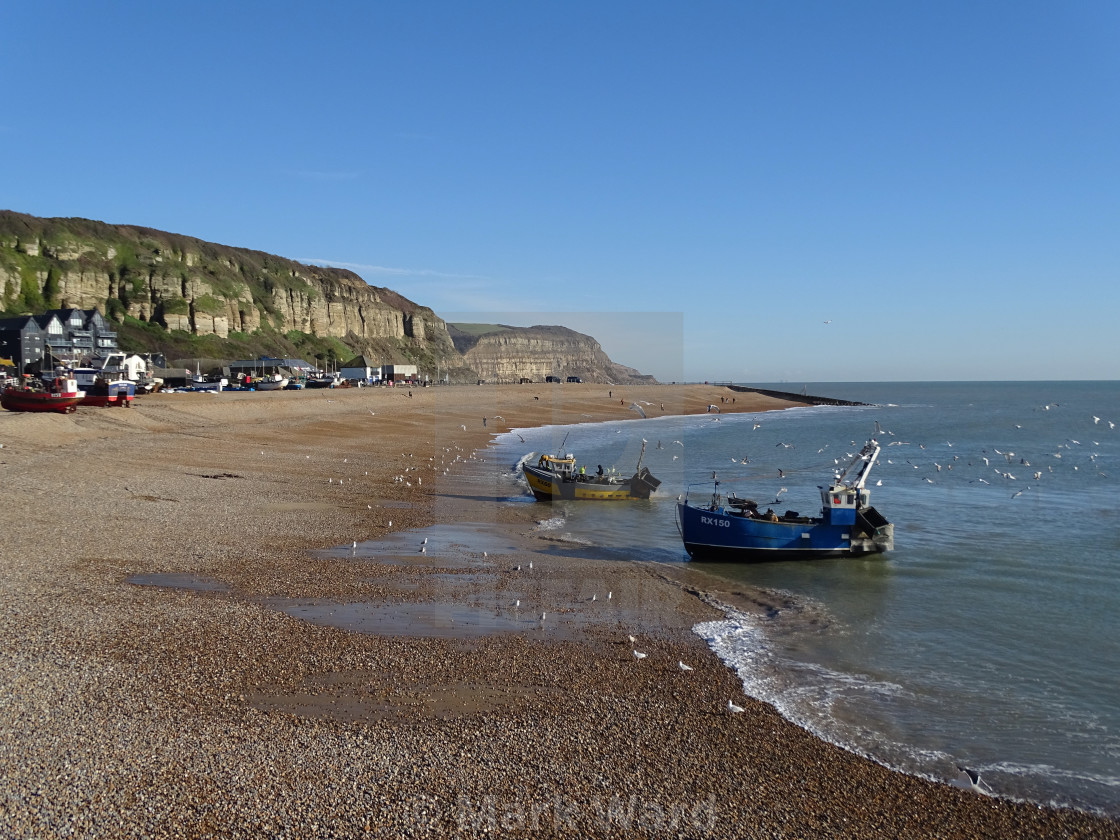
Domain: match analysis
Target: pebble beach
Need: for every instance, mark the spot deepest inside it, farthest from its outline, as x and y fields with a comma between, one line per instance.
x=158, y=680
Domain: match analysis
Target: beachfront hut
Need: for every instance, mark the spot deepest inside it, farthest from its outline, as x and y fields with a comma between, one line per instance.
x=361, y=369
x=399, y=373
x=268, y=365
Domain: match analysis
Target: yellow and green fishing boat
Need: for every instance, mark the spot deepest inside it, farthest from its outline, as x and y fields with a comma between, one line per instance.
x=557, y=477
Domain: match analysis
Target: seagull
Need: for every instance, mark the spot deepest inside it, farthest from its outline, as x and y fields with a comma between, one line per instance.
x=354, y=544
x=1095, y=421
x=632, y=639
x=517, y=603
x=639, y=655
x=829, y=321
x=756, y=426
x=731, y=707
x=970, y=780
x=610, y=595
x=684, y=667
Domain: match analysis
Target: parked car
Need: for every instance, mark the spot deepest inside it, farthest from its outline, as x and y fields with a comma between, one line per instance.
x=574, y=379
x=552, y=379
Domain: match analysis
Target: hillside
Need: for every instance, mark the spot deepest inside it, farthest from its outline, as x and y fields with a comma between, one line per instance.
x=184, y=296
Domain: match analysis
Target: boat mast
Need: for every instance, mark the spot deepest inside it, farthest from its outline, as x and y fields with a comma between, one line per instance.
x=864, y=461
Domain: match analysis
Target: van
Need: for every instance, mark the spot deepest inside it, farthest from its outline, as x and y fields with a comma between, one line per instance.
x=574, y=379
x=552, y=379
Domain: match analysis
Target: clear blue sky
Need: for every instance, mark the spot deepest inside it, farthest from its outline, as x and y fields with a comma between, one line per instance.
x=939, y=180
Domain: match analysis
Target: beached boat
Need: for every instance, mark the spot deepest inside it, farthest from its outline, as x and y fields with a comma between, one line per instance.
x=325, y=381
x=720, y=528
x=61, y=394
x=102, y=390
x=274, y=382
x=556, y=477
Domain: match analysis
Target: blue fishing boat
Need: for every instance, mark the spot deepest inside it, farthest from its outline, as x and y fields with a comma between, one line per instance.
x=728, y=528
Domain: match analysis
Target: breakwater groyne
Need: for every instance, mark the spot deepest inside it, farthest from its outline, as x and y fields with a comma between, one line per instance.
x=786, y=395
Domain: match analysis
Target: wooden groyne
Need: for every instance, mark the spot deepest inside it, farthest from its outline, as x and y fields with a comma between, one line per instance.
x=786, y=395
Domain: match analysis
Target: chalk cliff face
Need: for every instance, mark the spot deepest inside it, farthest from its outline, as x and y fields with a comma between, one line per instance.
x=507, y=354
x=202, y=288
x=199, y=287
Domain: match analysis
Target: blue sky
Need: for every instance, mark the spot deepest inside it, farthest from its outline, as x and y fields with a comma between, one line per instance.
x=701, y=186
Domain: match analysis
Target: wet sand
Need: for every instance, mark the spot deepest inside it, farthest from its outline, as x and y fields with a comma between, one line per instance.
x=193, y=646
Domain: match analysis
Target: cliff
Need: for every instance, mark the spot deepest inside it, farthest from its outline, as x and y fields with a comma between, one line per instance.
x=195, y=288
x=183, y=283
x=506, y=354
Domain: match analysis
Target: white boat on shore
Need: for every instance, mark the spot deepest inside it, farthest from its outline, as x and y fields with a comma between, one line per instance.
x=273, y=382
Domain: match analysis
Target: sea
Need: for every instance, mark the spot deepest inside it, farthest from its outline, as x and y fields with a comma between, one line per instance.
x=987, y=639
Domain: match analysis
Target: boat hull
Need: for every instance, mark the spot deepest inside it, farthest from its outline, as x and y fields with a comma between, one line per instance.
x=547, y=486
x=725, y=536
x=15, y=399
x=119, y=393
x=271, y=384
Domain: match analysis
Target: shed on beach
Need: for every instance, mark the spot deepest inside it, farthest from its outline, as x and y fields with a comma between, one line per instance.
x=360, y=368
x=267, y=365
x=399, y=373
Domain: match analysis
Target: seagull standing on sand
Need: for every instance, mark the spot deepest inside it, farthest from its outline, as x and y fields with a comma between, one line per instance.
x=639, y=655
x=731, y=707
x=684, y=667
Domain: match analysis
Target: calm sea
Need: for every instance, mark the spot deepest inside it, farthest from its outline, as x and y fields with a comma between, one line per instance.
x=987, y=638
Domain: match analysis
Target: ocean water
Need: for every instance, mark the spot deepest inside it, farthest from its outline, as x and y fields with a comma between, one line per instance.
x=988, y=638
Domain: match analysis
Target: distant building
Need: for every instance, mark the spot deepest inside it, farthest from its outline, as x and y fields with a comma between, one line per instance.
x=360, y=368
x=22, y=341
x=399, y=373
x=267, y=365
x=78, y=336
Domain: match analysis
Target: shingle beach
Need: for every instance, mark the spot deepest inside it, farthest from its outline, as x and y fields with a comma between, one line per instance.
x=158, y=681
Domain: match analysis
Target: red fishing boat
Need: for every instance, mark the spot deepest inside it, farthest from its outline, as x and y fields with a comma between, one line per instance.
x=61, y=395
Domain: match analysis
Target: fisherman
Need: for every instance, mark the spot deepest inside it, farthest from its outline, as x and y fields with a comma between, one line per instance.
x=582, y=473
x=600, y=472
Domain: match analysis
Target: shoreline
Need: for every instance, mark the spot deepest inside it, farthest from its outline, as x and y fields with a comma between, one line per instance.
x=136, y=708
